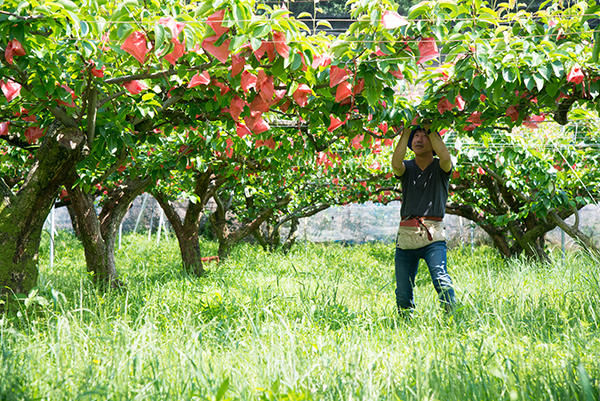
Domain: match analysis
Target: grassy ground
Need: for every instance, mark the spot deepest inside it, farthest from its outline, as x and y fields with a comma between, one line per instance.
x=319, y=323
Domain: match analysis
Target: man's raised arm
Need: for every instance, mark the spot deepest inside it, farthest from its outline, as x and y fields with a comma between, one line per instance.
x=400, y=152
x=442, y=151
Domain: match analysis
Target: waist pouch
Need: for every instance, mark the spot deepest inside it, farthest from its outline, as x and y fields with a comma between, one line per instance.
x=414, y=234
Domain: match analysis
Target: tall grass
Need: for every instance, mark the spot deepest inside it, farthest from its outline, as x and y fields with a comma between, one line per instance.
x=318, y=324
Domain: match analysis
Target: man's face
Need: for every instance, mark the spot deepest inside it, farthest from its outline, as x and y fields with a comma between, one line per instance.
x=421, y=143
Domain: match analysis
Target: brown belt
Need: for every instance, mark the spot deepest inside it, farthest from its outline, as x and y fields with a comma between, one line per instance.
x=418, y=221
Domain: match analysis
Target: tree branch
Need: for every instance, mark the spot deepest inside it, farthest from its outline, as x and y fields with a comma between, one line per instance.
x=92, y=112
x=170, y=101
x=154, y=75
x=63, y=117
x=115, y=166
x=574, y=233
x=5, y=191
x=110, y=98
x=306, y=211
x=14, y=140
x=25, y=18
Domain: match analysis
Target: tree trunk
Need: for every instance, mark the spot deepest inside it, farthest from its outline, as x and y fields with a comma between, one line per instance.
x=521, y=234
x=99, y=231
x=574, y=232
x=187, y=229
x=271, y=241
x=260, y=238
x=73, y=217
x=228, y=237
x=22, y=215
x=291, y=238
x=224, y=235
x=187, y=234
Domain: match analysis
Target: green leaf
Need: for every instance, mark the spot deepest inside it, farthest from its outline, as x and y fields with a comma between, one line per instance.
x=279, y=13
x=537, y=59
x=202, y=9
x=237, y=42
x=373, y=94
x=594, y=89
x=558, y=68
x=39, y=91
x=339, y=47
x=255, y=43
x=589, y=13
x=552, y=89
x=278, y=68
x=261, y=30
x=88, y=49
x=509, y=74
x=85, y=29
x=546, y=71
x=241, y=14
x=497, y=94
x=450, y=6
x=68, y=5
x=123, y=30
x=324, y=23
x=596, y=50
x=529, y=82
x=159, y=35
x=418, y=10
x=478, y=82
x=49, y=84
x=539, y=81
x=222, y=389
x=386, y=48
x=304, y=15
x=148, y=96
x=296, y=61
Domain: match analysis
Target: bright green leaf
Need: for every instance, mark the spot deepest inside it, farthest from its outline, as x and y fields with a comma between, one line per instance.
x=261, y=30
x=159, y=35
x=68, y=5
x=324, y=23
x=558, y=68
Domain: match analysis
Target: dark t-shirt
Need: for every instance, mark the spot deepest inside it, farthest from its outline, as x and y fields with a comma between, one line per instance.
x=424, y=192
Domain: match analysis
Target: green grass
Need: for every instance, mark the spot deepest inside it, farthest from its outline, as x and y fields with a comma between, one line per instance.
x=318, y=324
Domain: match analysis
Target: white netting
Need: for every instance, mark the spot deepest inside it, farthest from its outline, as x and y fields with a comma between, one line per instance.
x=352, y=224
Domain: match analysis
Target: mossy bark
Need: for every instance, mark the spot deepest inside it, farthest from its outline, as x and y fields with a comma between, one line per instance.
x=187, y=228
x=99, y=231
x=22, y=214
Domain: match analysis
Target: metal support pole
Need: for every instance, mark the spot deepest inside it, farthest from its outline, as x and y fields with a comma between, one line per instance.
x=460, y=226
x=151, y=221
x=52, y=236
x=161, y=223
x=139, y=218
x=305, y=239
x=472, y=238
x=562, y=245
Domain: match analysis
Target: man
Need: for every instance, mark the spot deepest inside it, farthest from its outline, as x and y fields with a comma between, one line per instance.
x=421, y=234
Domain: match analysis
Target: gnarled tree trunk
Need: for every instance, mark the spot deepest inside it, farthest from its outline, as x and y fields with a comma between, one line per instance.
x=520, y=235
x=22, y=215
x=187, y=229
x=270, y=237
x=227, y=235
x=99, y=231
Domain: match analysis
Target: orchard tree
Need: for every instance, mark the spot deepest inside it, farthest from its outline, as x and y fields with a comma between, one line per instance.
x=524, y=184
x=486, y=70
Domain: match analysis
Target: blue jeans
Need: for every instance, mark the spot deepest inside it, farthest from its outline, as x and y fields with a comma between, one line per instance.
x=407, y=265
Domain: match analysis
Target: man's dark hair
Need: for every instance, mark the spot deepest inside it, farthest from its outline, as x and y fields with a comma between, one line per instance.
x=412, y=135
